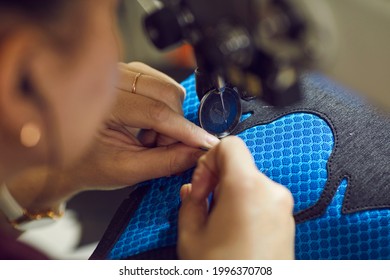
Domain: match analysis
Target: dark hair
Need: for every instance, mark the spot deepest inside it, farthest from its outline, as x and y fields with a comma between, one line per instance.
x=36, y=9
x=48, y=15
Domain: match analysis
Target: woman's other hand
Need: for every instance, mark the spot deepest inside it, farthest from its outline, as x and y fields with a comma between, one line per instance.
x=250, y=218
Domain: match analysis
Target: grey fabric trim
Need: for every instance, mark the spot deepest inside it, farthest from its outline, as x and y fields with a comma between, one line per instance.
x=361, y=153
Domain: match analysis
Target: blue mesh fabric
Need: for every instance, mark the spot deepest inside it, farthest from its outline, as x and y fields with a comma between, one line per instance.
x=364, y=235
x=293, y=151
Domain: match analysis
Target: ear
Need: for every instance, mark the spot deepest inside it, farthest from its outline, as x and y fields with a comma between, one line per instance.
x=20, y=101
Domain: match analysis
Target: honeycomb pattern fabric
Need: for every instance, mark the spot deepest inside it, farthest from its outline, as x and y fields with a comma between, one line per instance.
x=363, y=235
x=293, y=151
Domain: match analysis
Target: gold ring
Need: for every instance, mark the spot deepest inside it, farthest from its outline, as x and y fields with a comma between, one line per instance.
x=135, y=82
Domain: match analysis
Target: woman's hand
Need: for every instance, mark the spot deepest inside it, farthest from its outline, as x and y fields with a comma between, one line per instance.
x=250, y=218
x=144, y=137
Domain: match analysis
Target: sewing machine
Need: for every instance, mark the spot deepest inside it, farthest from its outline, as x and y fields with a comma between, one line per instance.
x=259, y=48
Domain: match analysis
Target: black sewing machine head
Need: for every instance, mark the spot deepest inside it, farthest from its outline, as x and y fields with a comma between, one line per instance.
x=254, y=48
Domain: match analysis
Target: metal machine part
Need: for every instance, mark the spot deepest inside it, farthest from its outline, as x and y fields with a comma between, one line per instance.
x=220, y=111
x=259, y=47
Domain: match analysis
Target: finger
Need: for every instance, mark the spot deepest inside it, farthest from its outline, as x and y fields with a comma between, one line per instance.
x=185, y=191
x=146, y=113
x=163, y=161
x=231, y=156
x=149, y=139
x=204, y=181
x=227, y=165
x=140, y=67
x=192, y=214
x=152, y=87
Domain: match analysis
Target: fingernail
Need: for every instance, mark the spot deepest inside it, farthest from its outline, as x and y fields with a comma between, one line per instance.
x=183, y=89
x=201, y=159
x=185, y=191
x=211, y=141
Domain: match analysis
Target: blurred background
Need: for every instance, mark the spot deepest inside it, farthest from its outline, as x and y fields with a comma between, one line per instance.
x=363, y=28
x=178, y=62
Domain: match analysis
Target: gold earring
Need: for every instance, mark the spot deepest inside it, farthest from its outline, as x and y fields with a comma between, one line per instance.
x=30, y=135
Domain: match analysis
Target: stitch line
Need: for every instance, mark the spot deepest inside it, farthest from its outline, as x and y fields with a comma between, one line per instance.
x=329, y=190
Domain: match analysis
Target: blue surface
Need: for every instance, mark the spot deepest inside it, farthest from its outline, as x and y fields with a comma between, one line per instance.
x=293, y=151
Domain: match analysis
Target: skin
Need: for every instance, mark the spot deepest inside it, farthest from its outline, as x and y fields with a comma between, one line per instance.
x=97, y=134
x=250, y=218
